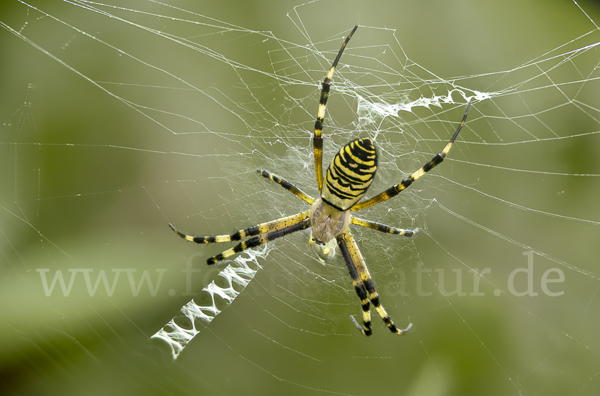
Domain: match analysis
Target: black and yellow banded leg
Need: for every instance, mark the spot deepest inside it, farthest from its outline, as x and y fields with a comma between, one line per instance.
x=382, y=227
x=436, y=160
x=374, y=297
x=250, y=231
x=287, y=185
x=359, y=287
x=298, y=225
x=317, y=138
x=354, y=259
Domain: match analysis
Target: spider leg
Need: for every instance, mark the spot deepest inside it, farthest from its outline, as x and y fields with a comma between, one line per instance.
x=287, y=185
x=436, y=160
x=301, y=222
x=317, y=138
x=359, y=272
x=263, y=228
x=382, y=227
x=359, y=287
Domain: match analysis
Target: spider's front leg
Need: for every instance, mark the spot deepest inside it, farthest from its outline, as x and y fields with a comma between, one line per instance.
x=364, y=286
x=261, y=233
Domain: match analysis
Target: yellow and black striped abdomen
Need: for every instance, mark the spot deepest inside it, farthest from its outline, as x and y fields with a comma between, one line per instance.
x=350, y=174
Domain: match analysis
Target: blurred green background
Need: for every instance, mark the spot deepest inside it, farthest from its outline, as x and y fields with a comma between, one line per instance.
x=117, y=119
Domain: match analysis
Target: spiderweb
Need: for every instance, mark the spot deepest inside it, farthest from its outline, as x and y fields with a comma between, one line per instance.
x=118, y=118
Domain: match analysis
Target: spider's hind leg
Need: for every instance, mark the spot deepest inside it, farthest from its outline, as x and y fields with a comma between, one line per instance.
x=383, y=228
x=287, y=185
x=404, y=184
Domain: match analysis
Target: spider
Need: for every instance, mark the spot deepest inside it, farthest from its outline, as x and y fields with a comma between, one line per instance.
x=346, y=181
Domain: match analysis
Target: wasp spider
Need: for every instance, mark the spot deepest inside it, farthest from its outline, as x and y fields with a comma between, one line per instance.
x=346, y=181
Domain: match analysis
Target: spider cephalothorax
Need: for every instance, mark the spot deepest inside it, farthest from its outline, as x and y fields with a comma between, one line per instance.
x=347, y=179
